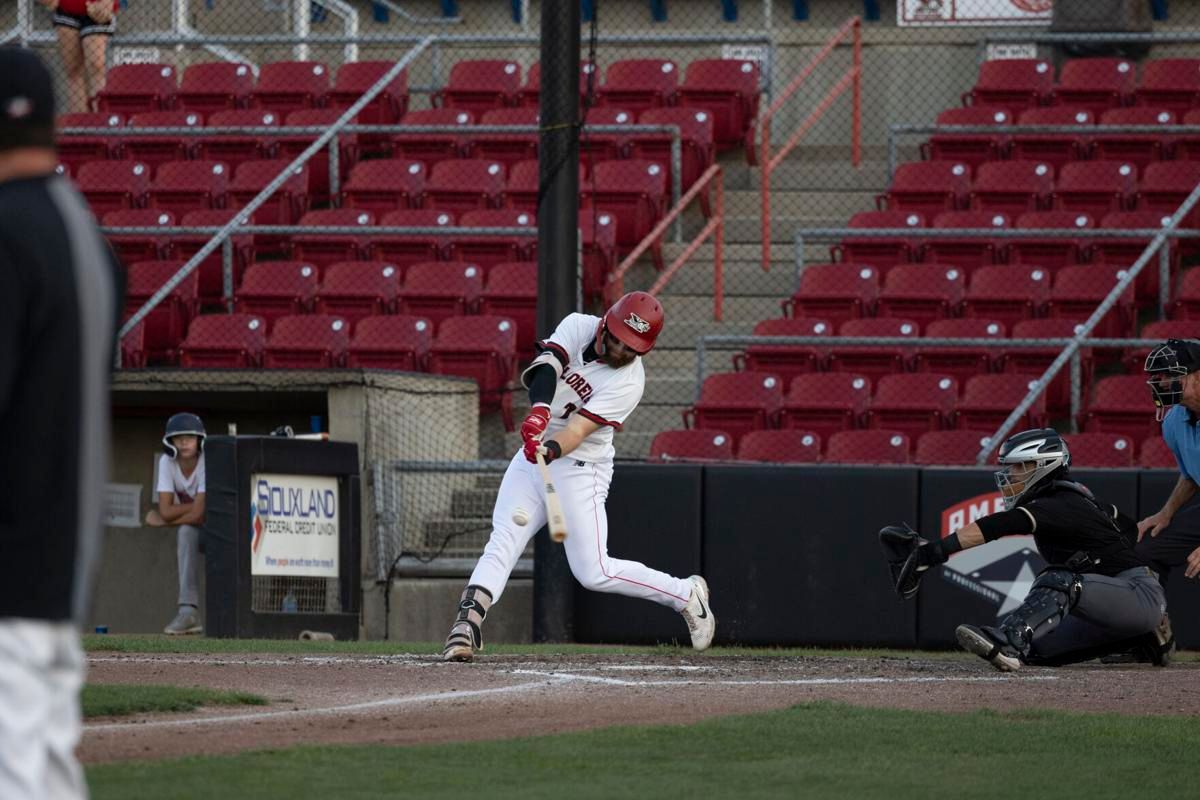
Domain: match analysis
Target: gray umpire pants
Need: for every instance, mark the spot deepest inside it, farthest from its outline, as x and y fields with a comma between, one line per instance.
x=187, y=553
x=1109, y=611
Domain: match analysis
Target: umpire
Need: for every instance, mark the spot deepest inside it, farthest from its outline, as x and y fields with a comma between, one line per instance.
x=60, y=295
x=1174, y=530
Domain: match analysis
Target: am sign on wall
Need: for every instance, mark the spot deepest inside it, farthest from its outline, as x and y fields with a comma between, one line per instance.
x=973, y=12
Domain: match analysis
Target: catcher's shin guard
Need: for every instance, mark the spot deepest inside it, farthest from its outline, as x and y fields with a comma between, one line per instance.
x=466, y=635
x=1054, y=594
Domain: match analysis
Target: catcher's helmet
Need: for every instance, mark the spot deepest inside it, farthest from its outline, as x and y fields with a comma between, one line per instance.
x=635, y=320
x=1166, y=367
x=182, y=424
x=1041, y=447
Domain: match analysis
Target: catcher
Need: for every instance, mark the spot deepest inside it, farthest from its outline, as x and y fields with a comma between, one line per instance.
x=1095, y=597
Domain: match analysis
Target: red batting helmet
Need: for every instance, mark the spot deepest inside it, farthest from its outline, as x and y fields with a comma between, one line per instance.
x=635, y=320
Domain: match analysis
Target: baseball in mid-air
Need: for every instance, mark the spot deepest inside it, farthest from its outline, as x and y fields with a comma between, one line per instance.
x=520, y=517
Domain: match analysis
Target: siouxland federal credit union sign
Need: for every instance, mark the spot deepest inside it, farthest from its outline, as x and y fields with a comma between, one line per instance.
x=294, y=525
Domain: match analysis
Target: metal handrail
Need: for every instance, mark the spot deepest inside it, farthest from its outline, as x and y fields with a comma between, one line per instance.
x=851, y=78
x=715, y=228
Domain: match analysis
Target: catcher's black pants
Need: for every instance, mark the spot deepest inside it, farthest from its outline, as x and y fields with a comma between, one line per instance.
x=1109, y=611
x=1175, y=542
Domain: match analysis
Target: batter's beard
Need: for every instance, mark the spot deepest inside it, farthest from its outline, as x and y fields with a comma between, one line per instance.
x=611, y=362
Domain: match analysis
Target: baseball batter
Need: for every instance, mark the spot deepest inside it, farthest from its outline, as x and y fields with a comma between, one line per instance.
x=584, y=383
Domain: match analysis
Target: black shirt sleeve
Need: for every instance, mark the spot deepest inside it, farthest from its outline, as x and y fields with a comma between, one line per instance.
x=1005, y=523
x=542, y=382
x=14, y=301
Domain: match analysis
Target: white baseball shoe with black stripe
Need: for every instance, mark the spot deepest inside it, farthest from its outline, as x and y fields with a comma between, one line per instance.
x=701, y=621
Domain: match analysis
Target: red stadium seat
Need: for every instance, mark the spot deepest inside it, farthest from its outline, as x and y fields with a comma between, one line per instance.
x=826, y=402
x=464, y=184
x=928, y=187
x=1103, y=450
x=1139, y=149
x=634, y=191
x=696, y=142
x=835, y=292
x=1187, y=145
x=486, y=250
x=1054, y=149
x=1171, y=83
x=597, y=146
x=286, y=86
x=965, y=252
x=438, y=290
x=1156, y=455
x=113, y=185
x=867, y=447
x=75, y=151
x=639, y=83
x=1013, y=83
x=511, y=291
x=212, y=270
x=235, y=149
x=873, y=361
x=950, y=448
x=155, y=149
x=183, y=186
x=483, y=348
x=352, y=81
x=1095, y=187
x=1007, y=293
x=1122, y=404
x=134, y=88
x=507, y=148
x=913, y=403
x=406, y=249
x=1123, y=252
x=1079, y=289
x=307, y=341
x=1012, y=187
x=290, y=147
x=727, y=88
x=224, y=341
x=737, y=402
x=324, y=248
x=274, y=289
x=1187, y=299
x=921, y=292
x=1047, y=252
x=521, y=190
x=877, y=251
x=780, y=447
x=214, y=86
x=530, y=93
x=131, y=247
x=598, y=241
x=987, y=401
x=168, y=321
x=384, y=185
x=356, y=289
x=479, y=85
x=960, y=362
x=691, y=445
x=1165, y=186
x=133, y=348
x=969, y=148
x=1095, y=83
x=392, y=342
x=432, y=147
x=786, y=361
x=290, y=200
x=1032, y=362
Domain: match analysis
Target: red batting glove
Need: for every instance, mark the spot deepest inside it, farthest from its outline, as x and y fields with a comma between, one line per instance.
x=535, y=424
x=552, y=450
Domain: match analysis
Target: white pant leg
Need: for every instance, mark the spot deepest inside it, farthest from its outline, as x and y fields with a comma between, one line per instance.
x=41, y=672
x=520, y=488
x=187, y=554
x=583, y=491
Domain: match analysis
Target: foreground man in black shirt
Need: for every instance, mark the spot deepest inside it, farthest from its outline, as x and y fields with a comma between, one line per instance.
x=1095, y=596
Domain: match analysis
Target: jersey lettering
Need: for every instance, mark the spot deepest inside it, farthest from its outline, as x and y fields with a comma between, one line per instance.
x=578, y=384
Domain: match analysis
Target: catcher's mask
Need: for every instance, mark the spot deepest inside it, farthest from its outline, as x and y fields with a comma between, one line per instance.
x=1027, y=461
x=1167, y=366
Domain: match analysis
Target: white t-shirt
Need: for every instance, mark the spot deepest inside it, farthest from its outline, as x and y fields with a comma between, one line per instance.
x=597, y=391
x=171, y=479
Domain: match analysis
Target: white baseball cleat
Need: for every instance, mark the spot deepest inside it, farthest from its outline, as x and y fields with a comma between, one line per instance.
x=974, y=640
x=701, y=622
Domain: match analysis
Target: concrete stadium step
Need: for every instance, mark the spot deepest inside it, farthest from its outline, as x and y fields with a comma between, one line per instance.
x=742, y=278
x=684, y=334
x=675, y=387
x=490, y=483
x=436, y=529
x=837, y=203
x=650, y=418
x=699, y=307
x=473, y=503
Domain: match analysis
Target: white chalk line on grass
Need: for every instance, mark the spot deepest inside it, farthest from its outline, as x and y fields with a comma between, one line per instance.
x=213, y=661
x=371, y=705
x=570, y=676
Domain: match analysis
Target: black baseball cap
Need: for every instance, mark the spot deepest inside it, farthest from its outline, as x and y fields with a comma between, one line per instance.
x=26, y=99
x=1187, y=353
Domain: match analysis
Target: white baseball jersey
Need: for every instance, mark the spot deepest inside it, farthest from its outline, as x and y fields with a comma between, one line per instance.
x=172, y=479
x=592, y=388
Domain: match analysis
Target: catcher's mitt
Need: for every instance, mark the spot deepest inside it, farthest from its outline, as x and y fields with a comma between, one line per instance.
x=902, y=549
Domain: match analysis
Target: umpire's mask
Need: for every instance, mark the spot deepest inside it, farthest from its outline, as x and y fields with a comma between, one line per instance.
x=1166, y=367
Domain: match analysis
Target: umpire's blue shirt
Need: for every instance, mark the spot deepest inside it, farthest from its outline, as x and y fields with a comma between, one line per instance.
x=1182, y=435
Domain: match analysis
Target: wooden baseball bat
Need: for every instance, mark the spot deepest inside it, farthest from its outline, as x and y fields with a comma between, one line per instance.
x=554, y=514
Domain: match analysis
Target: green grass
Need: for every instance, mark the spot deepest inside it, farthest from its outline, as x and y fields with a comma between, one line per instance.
x=118, y=700
x=820, y=750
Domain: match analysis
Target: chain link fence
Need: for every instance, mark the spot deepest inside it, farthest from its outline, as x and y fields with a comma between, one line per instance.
x=923, y=173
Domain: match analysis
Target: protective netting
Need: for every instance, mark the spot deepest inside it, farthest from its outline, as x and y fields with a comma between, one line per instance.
x=836, y=139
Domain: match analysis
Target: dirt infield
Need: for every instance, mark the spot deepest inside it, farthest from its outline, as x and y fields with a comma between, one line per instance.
x=417, y=699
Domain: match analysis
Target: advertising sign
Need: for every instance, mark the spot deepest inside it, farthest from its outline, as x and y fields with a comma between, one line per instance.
x=973, y=12
x=294, y=525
